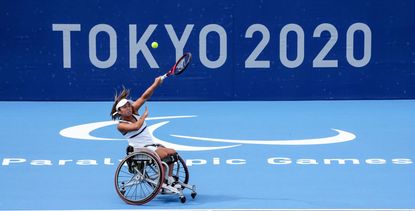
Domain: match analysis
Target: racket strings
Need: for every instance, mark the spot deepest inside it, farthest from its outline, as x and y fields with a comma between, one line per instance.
x=182, y=64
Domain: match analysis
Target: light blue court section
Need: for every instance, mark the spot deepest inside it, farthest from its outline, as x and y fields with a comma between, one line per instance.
x=366, y=163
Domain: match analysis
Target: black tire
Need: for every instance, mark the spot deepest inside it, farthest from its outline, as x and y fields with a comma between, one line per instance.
x=182, y=199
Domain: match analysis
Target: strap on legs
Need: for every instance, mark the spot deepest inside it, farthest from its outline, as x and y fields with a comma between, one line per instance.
x=171, y=158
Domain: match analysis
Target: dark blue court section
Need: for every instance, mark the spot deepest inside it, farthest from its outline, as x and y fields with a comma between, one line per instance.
x=377, y=173
x=350, y=50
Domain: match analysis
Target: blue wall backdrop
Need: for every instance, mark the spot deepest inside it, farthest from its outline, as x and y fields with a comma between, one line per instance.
x=242, y=50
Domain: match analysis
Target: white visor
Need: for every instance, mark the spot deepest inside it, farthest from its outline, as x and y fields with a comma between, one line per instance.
x=121, y=104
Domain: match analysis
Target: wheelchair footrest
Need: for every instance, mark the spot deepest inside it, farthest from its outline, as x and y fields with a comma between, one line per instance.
x=168, y=189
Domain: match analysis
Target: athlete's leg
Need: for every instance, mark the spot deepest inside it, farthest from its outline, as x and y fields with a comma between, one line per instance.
x=170, y=151
x=161, y=153
x=169, y=157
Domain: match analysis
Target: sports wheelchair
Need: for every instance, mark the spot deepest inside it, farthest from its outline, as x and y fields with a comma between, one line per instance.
x=140, y=177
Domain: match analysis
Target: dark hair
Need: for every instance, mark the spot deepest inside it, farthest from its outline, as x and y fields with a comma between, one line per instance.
x=124, y=94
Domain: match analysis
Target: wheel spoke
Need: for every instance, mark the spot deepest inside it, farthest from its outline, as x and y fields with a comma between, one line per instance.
x=142, y=186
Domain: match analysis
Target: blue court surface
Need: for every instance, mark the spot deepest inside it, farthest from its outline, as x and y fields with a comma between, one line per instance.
x=297, y=155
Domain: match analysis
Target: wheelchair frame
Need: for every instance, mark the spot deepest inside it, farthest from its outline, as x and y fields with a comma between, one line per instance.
x=140, y=177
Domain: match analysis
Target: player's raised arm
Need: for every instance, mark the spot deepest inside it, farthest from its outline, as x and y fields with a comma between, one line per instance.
x=147, y=94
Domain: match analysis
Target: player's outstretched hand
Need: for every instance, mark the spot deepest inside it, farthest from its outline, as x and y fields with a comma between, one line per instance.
x=158, y=80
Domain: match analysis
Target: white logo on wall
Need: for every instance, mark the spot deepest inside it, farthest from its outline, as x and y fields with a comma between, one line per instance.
x=83, y=132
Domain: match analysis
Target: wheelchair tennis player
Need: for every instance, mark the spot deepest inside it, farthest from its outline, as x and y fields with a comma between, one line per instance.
x=150, y=167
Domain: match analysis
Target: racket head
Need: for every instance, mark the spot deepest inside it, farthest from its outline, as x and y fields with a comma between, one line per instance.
x=182, y=64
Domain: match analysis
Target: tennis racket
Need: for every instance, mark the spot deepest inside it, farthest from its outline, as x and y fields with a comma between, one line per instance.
x=180, y=66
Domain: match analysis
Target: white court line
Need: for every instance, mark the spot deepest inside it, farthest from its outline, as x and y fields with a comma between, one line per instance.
x=234, y=210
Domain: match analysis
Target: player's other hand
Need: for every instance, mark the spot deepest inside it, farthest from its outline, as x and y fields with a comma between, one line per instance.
x=145, y=114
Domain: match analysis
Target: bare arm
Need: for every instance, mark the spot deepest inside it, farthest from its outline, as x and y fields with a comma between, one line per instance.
x=125, y=127
x=147, y=94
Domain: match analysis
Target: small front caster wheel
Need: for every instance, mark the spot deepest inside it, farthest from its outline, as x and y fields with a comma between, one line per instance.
x=182, y=199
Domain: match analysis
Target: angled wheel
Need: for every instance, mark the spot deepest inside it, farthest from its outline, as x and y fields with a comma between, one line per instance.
x=180, y=171
x=139, y=177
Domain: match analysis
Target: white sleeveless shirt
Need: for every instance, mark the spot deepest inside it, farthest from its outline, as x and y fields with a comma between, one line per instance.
x=138, y=138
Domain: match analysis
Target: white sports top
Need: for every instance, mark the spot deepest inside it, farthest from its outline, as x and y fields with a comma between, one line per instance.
x=138, y=138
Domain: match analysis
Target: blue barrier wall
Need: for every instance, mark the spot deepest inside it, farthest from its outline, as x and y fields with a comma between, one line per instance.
x=242, y=50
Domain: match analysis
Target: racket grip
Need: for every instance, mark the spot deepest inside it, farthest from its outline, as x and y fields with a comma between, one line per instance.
x=163, y=76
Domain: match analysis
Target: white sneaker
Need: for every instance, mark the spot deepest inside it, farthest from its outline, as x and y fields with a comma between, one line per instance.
x=177, y=186
x=170, y=180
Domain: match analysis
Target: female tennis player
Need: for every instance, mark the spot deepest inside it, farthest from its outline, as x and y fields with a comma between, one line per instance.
x=134, y=128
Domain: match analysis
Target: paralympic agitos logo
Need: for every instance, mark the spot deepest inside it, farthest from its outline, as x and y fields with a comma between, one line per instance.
x=83, y=132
